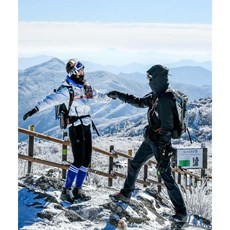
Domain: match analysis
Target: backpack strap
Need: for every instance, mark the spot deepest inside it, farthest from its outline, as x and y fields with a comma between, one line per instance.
x=71, y=96
x=95, y=128
x=75, y=118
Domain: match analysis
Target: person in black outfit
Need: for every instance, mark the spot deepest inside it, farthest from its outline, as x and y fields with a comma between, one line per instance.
x=157, y=137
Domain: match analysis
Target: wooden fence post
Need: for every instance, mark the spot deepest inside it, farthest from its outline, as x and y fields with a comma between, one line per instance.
x=195, y=182
x=204, y=165
x=110, y=180
x=185, y=180
x=130, y=153
x=64, y=154
x=159, y=180
x=30, y=148
x=190, y=181
x=202, y=173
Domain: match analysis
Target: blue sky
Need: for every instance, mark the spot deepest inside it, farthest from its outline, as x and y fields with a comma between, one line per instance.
x=164, y=11
x=116, y=32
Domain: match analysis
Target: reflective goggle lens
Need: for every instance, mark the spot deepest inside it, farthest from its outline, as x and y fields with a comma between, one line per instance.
x=79, y=66
x=76, y=68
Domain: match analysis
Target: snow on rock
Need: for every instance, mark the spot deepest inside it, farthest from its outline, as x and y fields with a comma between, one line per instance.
x=40, y=207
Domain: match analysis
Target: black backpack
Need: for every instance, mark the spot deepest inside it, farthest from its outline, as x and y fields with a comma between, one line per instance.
x=61, y=112
x=180, y=114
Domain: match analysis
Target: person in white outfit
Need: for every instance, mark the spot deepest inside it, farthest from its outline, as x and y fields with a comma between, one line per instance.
x=78, y=122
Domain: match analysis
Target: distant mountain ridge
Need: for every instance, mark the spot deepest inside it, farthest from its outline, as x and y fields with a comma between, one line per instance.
x=26, y=62
x=36, y=82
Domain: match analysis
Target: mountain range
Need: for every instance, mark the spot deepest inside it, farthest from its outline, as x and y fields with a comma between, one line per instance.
x=112, y=116
x=26, y=62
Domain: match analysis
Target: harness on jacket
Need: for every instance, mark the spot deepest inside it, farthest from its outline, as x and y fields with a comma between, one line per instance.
x=62, y=113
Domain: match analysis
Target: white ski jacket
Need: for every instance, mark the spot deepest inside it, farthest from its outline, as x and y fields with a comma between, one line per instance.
x=81, y=104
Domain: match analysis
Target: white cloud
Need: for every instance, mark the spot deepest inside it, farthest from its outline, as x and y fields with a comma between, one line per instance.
x=130, y=40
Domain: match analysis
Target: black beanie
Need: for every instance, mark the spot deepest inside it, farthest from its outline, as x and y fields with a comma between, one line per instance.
x=158, y=70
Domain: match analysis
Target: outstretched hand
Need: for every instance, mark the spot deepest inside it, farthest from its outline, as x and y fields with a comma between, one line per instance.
x=30, y=113
x=113, y=94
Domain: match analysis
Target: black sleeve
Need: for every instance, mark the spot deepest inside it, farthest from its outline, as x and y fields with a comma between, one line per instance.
x=136, y=101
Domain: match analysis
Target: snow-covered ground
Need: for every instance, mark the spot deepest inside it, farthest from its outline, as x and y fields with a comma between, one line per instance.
x=35, y=211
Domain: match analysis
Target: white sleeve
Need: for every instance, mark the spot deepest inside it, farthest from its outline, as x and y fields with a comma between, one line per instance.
x=100, y=96
x=59, y=97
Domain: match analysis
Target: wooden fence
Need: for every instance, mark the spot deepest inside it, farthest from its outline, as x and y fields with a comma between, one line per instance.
x=189, y=179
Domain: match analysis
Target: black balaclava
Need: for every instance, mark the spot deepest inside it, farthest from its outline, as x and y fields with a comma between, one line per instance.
x=78, y=79
x=159, y=82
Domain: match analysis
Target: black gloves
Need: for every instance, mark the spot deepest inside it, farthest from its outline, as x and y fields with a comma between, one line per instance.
x=162, y=165
x=163, y=162
x=113, y=94
x=30, y=113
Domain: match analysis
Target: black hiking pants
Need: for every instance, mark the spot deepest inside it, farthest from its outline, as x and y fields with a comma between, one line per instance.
x=81, y=143
x=147, y=150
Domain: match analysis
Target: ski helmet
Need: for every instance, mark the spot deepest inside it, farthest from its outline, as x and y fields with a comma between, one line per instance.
x=73, y=66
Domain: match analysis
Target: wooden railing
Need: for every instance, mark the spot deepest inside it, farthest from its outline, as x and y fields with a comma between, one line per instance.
x=111, y=174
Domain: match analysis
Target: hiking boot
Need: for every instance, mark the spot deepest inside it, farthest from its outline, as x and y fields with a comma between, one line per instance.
x=178, y=216
x=67, y=195
x=119, y=197
x=79, y=194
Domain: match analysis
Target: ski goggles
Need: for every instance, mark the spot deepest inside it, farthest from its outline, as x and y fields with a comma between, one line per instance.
x=76, y=69
x=79, y=66
x=149, y=76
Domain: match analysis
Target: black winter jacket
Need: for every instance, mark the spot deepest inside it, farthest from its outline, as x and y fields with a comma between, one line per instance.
x=160, y=115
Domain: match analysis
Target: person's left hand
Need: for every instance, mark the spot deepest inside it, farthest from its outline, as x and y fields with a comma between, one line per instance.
x=165, y=155
x=163, y=164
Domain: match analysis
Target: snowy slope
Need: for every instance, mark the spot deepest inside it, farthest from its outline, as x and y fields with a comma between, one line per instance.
x=40, y=207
